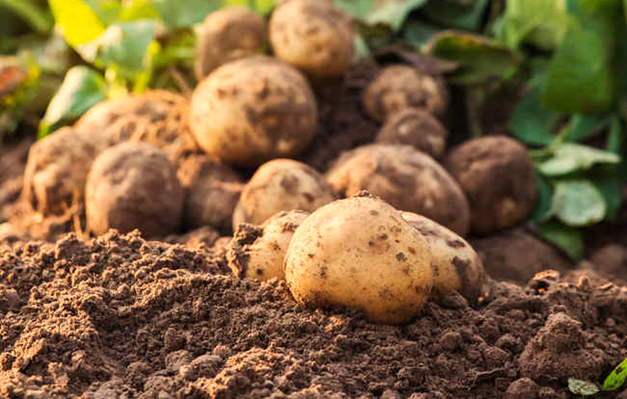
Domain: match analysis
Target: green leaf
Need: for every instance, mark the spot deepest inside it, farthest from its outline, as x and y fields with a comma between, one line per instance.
x=585, y=126
x=29, y=11
x=183, y=14
x=610, y=189
x=539, y=22
x=260, y=6
x=615, y=137
x=459, y=16
x=481, y=58
x=137, y=10
x=418, y=33
x=568, y=239
x=392, y=12
x=578, y=203
x=358, y=9
x=530, y=122
x=582, y=388
x=570, y=157
x=616, y=379
x=78, y=21
x=81, y=89
x=542, y=210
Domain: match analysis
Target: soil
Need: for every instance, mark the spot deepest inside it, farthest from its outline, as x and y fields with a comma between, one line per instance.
x=121, y=317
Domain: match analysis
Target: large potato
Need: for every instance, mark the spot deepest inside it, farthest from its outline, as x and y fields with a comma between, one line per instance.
x=359, y=252
x=57, y=168
x=281, y=185
x=406, y=178
x=133, y=186
x=228, y=35
x=456, y=265
x=249, y=111
x=497, y=176
x=399, y=87
x=257, y=252
x=313, y=36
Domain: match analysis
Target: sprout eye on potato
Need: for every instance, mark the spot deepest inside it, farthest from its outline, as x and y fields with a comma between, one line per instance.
x=281, y=185
x=399, y=87
x=133, y=185
x=313, y=36
x=406, y=178
x=257, y=252
x=359, y=252
x=249, y=111
x=228, y=35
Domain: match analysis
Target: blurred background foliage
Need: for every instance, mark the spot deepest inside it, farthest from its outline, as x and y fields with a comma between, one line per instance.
x=565, y=60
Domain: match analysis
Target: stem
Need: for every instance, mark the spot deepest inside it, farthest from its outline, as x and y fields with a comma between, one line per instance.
x=37, y=18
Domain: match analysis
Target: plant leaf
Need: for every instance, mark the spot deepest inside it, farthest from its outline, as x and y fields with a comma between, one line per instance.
x=583, y=388
x=481, y=58
x=260, y=6
x=183, y=14
x=539, y=22
x=542, y=211
x=568, y=239
x=81, y=89
x=455, y=15
x=610, y=189
x=585, y=126
x=79, y=22
x=571, y=157
x=578, y=203
x=358, y=9
x=392, y=12
x=616, y=379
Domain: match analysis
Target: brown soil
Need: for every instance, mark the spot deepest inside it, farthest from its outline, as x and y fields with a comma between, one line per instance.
x=121, y=317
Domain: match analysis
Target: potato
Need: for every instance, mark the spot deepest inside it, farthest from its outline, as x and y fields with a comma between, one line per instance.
x=57, y=168
x=498, y=179
x=133, y=185
x=249, y=111
x=281, y=185
x=359, y=252
x=406, y=178
x=399, y=87
x=456, y=265
x=313, y=36
x=417, y=128
x=228, y=35
x=257, y=252
x=211, y=193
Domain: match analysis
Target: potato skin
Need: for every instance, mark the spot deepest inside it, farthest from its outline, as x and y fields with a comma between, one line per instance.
x=257, y=252
x=212, y=191
x=57, y=168
x=281, y=185
x=399, y=87
x=359, y=252
x=497, y=176
x=456, y=265
x=133, y=185
x=313, y=36
x=417, y=128
x=228, y=35
x=252, y=110
x=406, y=178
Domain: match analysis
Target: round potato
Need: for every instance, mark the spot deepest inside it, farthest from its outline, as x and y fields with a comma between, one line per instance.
x=258, y=252
x=281, y=185
x=399, y=87
x=456, y=265
x=313, y=36
x=133, y=186
x=417, y=128
x=359, y=252
x=249, y=111
x=498, y=179
x=57, y=168
x=211, y=193
x=228, y=35
x=406, y=178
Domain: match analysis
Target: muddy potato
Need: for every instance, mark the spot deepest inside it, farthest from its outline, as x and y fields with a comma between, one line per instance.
x=399, y=87
x=257, y=252
x=417, y=128
x=281, y=185
x=313, y=36
x=57, y=168
x=249, y=111
x=359, y=252
x=211, y=193
x=133, y=186
x=228, y=35
x=456, y=265
x=406, y=178
x=497, y=176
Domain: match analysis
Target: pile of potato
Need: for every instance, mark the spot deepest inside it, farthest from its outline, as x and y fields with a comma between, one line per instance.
x=162, y=163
